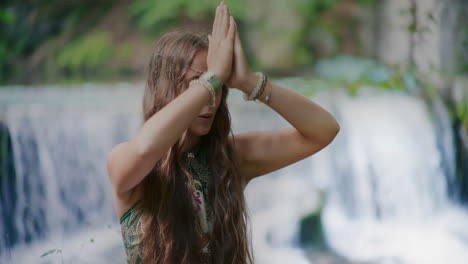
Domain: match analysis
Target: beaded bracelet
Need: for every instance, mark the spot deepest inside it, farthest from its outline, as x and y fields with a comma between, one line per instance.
x=268, y=97
x=212, y=79
x=258, y=89
x=210, y=88
x=263, y=84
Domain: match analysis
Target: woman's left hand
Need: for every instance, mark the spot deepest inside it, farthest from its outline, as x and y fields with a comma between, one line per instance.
x=241, y=77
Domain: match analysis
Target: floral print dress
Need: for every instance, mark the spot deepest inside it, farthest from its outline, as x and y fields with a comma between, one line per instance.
x=132, y=227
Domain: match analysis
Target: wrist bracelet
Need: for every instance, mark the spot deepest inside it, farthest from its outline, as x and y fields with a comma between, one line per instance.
x=213, y=80
x=256, y=92
x=212, y=83
x=208, y=86
x=268, y=97
x=262, y=85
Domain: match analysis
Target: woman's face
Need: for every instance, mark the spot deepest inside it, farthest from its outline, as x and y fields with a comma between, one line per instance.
x=201, y=125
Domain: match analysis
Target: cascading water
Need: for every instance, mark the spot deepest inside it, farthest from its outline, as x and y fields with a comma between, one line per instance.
x=387, y=199
x=60, y=141
x=387, y=183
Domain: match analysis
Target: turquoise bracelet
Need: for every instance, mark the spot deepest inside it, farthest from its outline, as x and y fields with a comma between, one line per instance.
x=215, y=83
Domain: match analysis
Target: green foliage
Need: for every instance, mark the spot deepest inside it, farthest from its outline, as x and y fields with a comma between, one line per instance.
x=308, y=86
x=367, y=2
x=303, y=56
x=311, y=13
x=411, y=28
x=461, y=112
x=3, y=52
x=6, y=17
x=155, y=16
x=27, y=25
x=92, y=56
x=311, y=9
x=462, y=52
x=88, y=52
x=355, y=72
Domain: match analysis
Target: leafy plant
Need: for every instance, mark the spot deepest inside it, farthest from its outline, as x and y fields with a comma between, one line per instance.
x=6, y=17
x=154, y=16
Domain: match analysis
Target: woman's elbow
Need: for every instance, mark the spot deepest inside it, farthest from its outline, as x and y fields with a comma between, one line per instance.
x=332, y=132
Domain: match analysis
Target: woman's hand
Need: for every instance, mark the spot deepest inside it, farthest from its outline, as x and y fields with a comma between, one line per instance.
x=221, y=44
x=242, y=76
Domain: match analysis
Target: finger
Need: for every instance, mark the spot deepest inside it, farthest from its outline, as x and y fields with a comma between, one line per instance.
x=230, y=37
x=228, y=15
x=216, y=21
x=227, y=9
x=228, y=18
x=238, y=43
x=224, y=20
x=232, y=29
x=238, y=51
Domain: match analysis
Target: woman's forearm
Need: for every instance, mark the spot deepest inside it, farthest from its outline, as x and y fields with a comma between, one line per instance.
x=130, y=162
x=309, y=118
x=163, y=129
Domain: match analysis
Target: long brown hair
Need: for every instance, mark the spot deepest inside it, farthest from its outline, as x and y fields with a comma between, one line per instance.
x=170, y=234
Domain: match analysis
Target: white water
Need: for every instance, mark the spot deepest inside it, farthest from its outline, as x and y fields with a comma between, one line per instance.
x=387, y=192
x=388, y=200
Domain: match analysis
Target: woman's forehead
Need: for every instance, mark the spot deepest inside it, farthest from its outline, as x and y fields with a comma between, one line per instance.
x=199, y=62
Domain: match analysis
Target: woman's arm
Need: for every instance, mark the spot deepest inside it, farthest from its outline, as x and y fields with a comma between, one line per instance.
x=129, y=162
x=308, y=118
x=261, y=152
x=313, y=128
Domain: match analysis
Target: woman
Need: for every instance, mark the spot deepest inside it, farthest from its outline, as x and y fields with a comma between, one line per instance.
x=178, y=184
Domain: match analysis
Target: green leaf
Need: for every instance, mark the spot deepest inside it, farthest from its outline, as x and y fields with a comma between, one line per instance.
x=411, y=28
x=6, y=17
x=86, y=53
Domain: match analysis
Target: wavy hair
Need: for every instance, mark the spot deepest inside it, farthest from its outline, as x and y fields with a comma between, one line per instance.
x=169, y=215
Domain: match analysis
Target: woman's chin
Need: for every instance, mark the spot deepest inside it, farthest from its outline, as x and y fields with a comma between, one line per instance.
x=201, y=131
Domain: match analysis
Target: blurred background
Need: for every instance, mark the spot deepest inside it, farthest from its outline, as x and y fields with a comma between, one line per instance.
x=392, y=188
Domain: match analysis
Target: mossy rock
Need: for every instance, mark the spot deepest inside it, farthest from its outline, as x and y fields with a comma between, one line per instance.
x=311, y=234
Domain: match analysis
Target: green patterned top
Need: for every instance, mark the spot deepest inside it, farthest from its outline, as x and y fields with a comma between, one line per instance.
x=132, y=228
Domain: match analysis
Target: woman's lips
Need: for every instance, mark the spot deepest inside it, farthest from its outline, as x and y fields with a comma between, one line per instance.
x=206, y=116
x=205, y=119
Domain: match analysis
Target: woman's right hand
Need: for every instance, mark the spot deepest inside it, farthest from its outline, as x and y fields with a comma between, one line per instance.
x=221, y=43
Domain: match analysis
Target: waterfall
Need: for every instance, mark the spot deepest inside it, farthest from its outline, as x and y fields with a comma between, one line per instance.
x=386, y=174
x=386, y=178
x=60, y=192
